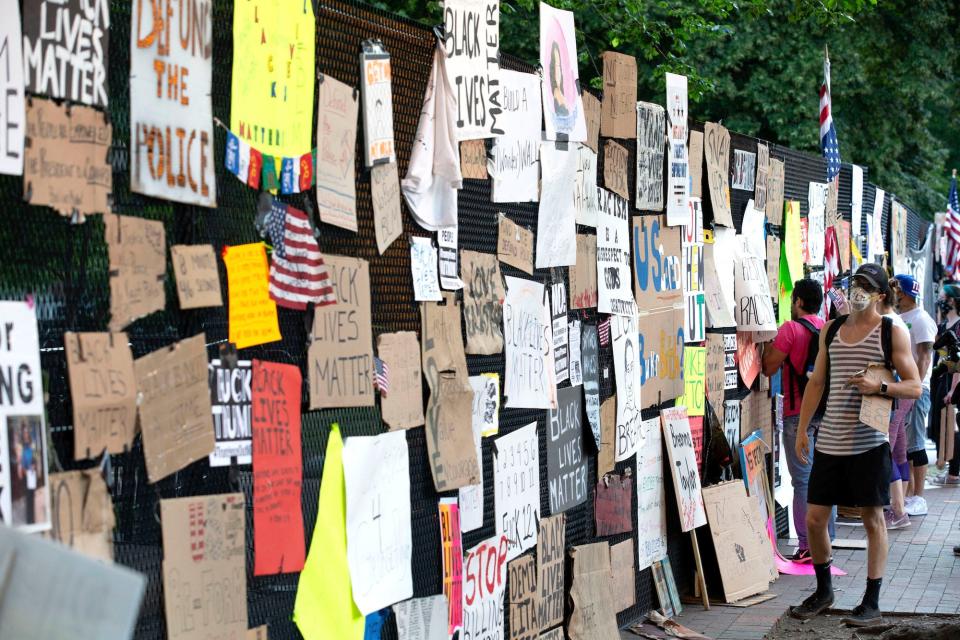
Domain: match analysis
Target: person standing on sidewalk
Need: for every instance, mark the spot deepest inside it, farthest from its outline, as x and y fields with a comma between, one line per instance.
x=790, y=351
x=851, y=460
x=923, y=331
x=942, y=383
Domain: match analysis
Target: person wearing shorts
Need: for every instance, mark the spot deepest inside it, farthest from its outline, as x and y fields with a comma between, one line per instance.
x=896, y=517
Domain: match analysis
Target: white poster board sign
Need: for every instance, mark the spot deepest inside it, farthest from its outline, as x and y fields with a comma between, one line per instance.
x=563, y=112
x=626, y=365
x=530, y=378
x=753, y=309
x=816, y=221
x=678, y=185
x=471, y=43
x=514, y=161
x=614, y=279
x=651, y=496
x=12, y=114
x=516, y=489
x=683, y=466
x=556, y=220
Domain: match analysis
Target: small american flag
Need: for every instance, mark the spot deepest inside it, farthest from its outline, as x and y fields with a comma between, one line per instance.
x=297, y=273
x=382, y=378
x=829, y=144
x=952, y=228
x=604, y=329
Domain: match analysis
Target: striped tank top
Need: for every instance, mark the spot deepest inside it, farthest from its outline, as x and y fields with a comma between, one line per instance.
x=841, y=432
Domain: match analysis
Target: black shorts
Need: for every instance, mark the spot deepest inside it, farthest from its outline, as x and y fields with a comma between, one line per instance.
x=861, y=480
x=918, y=458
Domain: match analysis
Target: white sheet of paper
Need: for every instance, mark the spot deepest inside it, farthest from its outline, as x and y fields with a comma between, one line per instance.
x=516, y=488
x=816, y=221
x=576, y=366
x=563, y=112
x=585, y=197
x=556, y=221
x=530, y=380
x=683, y=464
x=856, y=200
x=13, y=114
x=626, y=365
x=423, y=266
x=719, y=263
x=376, y=471
x=473, y=65
x=422, y=618
x=876, y=226
x=449, y=259
x=678, y=184
x=753, y=230
x=614, y=278
x=485, y=421
x=651, y=498
x=514, y=161
x=484, y=582
x=753, y=309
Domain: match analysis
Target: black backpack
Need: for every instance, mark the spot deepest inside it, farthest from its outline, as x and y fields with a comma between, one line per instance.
x=886, y=343
x=813, y=349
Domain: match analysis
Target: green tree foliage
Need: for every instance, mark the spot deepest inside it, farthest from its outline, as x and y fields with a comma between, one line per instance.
x=757, y=66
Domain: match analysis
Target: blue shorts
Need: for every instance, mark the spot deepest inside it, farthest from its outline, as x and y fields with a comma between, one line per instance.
x=917, y=423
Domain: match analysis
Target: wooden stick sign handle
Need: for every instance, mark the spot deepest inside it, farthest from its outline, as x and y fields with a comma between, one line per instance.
x=700, y=580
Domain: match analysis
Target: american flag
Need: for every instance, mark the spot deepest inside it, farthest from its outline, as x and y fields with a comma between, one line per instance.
x=829, y=144
x=951, y=226
x=604, y=332
x=382, y=378
x=297, y=273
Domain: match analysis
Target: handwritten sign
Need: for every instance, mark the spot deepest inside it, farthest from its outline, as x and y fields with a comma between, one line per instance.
x=657, y=254
x=651, y=143
x=204, y=566
x=660, y=351
x=402, y=407
x=65, y=166
x=486, y=402
x=627, y=367
x=608, y=437
x=714, y=374
x=277, y=469
x=551, y=546
x=613, y=256
x=872, y=407
x=585, y=186
x=754, y=308
x=473, y=159
x=576, y=366
x=731, y=422
x=376, y=89
x=591, y=112
x=174, y=406
x=556, y=218
x=379, y=538
x=615, y=158
x=743, y=171
x=171, y=112
x=719, y=263
x=515, y=245
x=422, y=618
x=566, y=461
x=514, y=161
x=717, y=153
x=583, y=275
x=651, y=496
x=562, y=105
x=231, y=398
x=471, y=45
x=612, y=505
x=763, y=170
x=337, y=110
x=198, y=280
x=694, y=380
x=423, y=267
x=683, y=466
x=516, y=484
x=696, y=164
x=103, y=390
x=678, y=182
x=558, y=315
x=524, y=624
x=340, y=358
x=816, y=221
x=530, y=370
x=694, y=319
x=11, y=87
x=138, y=265
x=385, y=194
x=484, y=583
x=453, y=461
x=451, y=545
x=619, y=96
x=253, y=315
x=483, y=296
x=82, y=513
x=589, y=356
x=775, y=192
x=591, y=594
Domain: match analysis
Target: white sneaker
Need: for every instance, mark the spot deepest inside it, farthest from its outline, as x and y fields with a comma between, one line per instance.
x=915, y=506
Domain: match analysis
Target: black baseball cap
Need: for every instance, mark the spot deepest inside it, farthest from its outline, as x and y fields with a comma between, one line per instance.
x=875, y=275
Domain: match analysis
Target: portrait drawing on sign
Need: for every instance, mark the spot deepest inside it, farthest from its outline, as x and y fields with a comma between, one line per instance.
x=563, y=91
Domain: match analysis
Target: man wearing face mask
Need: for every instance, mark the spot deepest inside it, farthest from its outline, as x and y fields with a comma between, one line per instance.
x=923, y=332
x=851, y=460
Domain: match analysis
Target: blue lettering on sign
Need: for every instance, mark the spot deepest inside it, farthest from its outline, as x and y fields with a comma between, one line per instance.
x=651, y=264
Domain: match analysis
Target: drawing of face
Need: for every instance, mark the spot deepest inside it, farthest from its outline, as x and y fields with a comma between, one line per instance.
x=628, y=365
x=556, y=80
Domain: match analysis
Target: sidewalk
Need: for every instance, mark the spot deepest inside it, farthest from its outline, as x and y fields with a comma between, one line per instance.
x=922, y=576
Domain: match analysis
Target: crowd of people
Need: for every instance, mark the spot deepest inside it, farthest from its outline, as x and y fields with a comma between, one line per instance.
x=874, y=340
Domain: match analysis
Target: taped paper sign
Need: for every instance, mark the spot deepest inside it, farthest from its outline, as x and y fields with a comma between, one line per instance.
x=651, y=496
x=530, y=371
x=898, y=238
x=763, y=170
x=730, y=360
x=719, y=283
x=515, y=245
x=694, y=319
x=754, y=308
x=66, y=47
x=656, y=258
x=336, y=150
x=551, y=547
x=679, y=181
x=613, y=256
x=589, y=354
x=11, y=87
x=731, y=423
x=138, y=266
x=379, y=539
x=514, y=161
x=608, y=435
x=717, y=154
x=619, y=96
x=24, y=485
x=486, y=402
x=585, y=187
x=583, y=275
x=271, y=105
x=252, y=314
x=449, y=267
x=562, y=105
x=683, y=466
x=451, y=546
x=816, y=221
x=696, y=164
x=627, y=367
x=473, y=159
x=402, y=407
x=556, y=220
x=174, y=406
x=423, y=267
x=485, y=580
x=231, y=398
x=198, y=279
x=611, y=507
x=385, y=194
x=615, y=158
x=516, y=484
x=450, y=446
x=71, y=144
x=483, y=296
x=714, y=376
x=576, y=367
x=170, y=82
x=775, y=192
x=524, y=624
x=558, y=314
x=82, y=513
x=376, y=91
x=591, y=593
x=660, y=347
x=694, y=375
x=773, y=265
x=471, y=43
x=651, y=142
x=422, y=618
x=204, y=566
x=340, y=358
x=566, y=461
x=591, y=111
x=748, y=358
x=743, y=171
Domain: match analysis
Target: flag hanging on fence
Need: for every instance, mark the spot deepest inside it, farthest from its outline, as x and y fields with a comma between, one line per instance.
x=604, y=332
x=829, y=144
x=298, y=275
x=382, y=378
x=951, y=227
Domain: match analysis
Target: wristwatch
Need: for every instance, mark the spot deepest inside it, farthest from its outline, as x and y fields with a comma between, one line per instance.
x=883, y=388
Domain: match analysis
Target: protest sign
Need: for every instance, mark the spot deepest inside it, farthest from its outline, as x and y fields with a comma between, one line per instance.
x=613, y=256
x=611, y=506
x=82, y=513
x=615, y=159
x=558, y=315
x=618, y=109
x=515, y=245
x=660, y=348
x=514, y=160
x=717, y=154
x=743, y=171
x=696, y=164
x=473, y=159
x=589, y=355
x=277, y=469
x=231, y=397
x=524, y=624
x=551, y=546
x=448, y=258
x=336, y=149
x=627, y=369
x=138, y=265
x=562, y=106
x=556, y=218
x=585, y=187
x=423, y=268
x=651, y=142
x=402, y=406
x=773, y=265
x=714, y=374
x=754, y=308
x=483, y=296
x=592, y=112
x=816, y=221
x=898, y=237
x=591, y=593
x=683, y=466
x=774, y=206
x=471, y=44
x=666, y=588
x=453, y=460
x=608, y=435
x=694, y=317
x=252, y=313
x=198, y=280
x=566, y=461
x=484, y=583
x=451, y=546
x=516, y=483
x=731, y=422
x=763, y=170
x=657, y=254
x=679, y=181
x=576, y=366
x=422, y=618
x=720, y=257
x=442, y=341
x=622, y=575
x=385, y=195
x=11, y=87
x=376, y=95
x=583, y=275
x=530, y=370
x=694, y=380
x=651, y=496
x=486, y=402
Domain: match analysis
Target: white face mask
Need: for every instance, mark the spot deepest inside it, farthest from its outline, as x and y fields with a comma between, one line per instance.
x=859, y=299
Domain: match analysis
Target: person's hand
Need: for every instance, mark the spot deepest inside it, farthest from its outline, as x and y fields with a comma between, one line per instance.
x=802, y=445
x=867, y=385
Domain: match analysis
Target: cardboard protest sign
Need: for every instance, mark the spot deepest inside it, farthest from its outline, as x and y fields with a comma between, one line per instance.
x=174, y=406
x=53, y=592
x=277, y=469
x=651, y=143
x=336, y=150
x=65, y=165
x=566, y=461
x=611, y=506
x=608, y=435
x=773, y=265
x=556, y=219
x=627, y=368
x=740, y=538
x=103, y=390
x=385, y=194
x=898, y=238
x=585, y=200
x=402, y=406
x=483, y=296
x=756, y=415
x=558, y=315
x=551, y=547
x=622, y=572
x=660, y=351
x=473, y=159
x=471, y=39
x=589, y=356
x=231, y=399
x=59, y=62
x=774, y=205
x=171, y=112
x=696, y=164
x=678, y=186
x=615, y=158
x=657, y=255
x=613, y=256
x=591, y=593
x=530, y=369
x=82, y=513
x=138, y=265
x=875, y=409
x=714, y=374
x=11, y=87
x=651, y=496
x=592, y=112
x=694, y=380
x=453, y=461
x=516, y=483
x=515, y=245
x=524, y=624
x=204, y=572
x=422, y=618
x=619, y=96
x=442, y=346
x=743, y=171
x=842, y=228
x=514, y=160
x=816, y=221
x=717, y=154
x=271, y=105
x=379, y=538
x=198, y=280
x=583, y=275
x=485, y=580
x=252, y=313
x=683, y=466
x=24, y=485
x=340, y=358
x=451, y=547
x=562, y=106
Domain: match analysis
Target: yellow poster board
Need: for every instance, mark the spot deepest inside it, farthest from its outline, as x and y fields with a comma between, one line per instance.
x=252, y=313
x=271, y=101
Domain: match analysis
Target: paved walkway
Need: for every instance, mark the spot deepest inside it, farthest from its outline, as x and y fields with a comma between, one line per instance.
x=923, y=576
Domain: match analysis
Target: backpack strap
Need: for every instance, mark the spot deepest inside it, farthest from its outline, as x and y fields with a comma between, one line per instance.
x=832, y=331
x=886, y=341
x=809, y=326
